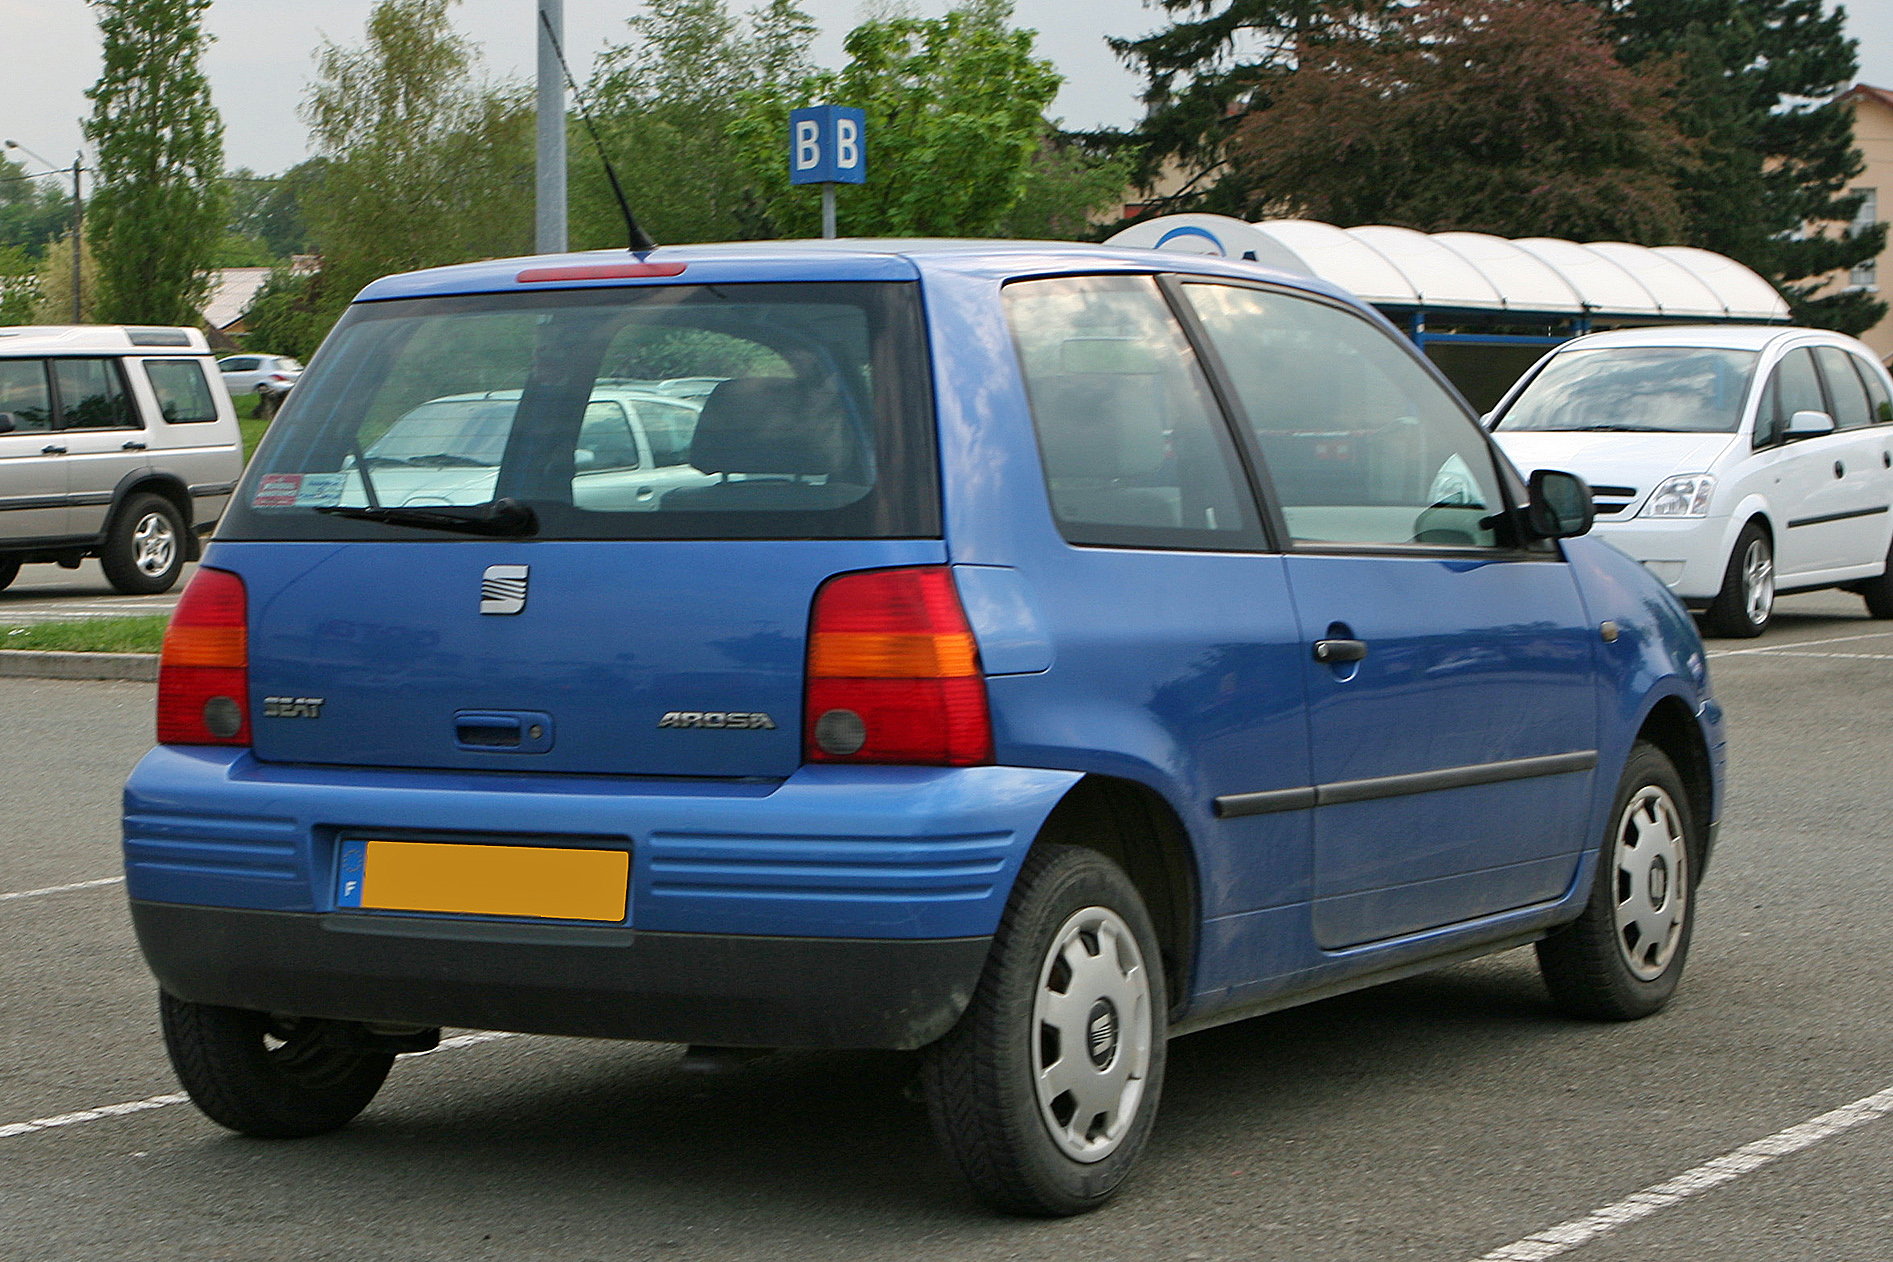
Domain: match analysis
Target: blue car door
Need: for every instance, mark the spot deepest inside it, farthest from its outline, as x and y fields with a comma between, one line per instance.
x=1452, y=704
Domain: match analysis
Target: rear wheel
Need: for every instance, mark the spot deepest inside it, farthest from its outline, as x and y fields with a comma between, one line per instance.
x=1745, y=604
x=1877, y=592
x=271, y=1077
x=144, y=549
x=9, y=570
x=1044, y=1093
x=1623, y=957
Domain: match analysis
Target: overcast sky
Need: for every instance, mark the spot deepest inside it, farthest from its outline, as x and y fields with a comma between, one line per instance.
x=260, y=65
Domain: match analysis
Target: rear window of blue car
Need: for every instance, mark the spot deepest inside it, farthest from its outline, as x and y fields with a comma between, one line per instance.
x=781, y=411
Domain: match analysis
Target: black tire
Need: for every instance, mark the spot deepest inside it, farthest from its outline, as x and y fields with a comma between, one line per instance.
x=9, y=570
x=144, y=547
x=1877, y=592
x=270, y=1077
x=1622, y=958
x=982, y=1080
x=1746, y=603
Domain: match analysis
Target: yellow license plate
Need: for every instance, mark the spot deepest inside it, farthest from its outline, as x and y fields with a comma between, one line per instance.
x=473, y=880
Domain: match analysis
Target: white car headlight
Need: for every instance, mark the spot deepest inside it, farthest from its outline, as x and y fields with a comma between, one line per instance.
x=1685, y=495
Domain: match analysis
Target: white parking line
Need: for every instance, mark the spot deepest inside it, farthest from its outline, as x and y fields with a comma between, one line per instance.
x=12, y=1129
x=1567, y=1236
x=1799, y=644
x=61, y=889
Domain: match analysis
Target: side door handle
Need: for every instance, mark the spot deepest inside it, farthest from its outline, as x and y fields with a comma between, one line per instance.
x=52, y=449
x=1332, y=651
x=133, y=446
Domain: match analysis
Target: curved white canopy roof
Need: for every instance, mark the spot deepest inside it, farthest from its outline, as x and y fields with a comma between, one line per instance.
x=1472, y=271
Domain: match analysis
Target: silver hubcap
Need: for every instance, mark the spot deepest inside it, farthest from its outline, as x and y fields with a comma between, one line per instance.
x=153, y=544
x=1758, y=581
x=1651, y=892
x=1091, y=1020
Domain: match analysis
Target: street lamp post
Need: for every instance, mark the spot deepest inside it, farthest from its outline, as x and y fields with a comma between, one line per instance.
x=78, y=221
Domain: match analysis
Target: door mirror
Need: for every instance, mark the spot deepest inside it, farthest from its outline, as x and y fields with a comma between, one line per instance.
x=1560, y=505
x=6, y=423
x=1809, y=425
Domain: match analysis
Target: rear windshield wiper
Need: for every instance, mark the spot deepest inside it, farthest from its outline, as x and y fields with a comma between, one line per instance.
x=503, y=517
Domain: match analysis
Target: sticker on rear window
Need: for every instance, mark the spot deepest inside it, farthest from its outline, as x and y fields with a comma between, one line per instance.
x=277, y=490
x=320, y=490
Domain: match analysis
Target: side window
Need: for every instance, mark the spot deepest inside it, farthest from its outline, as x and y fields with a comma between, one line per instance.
x=92, y=395
x=242, y=363
x=24, y=395
x=183, y=392
x=605, y=440
x=1362, y=445
x=1135, y=450
x=1793, y=388
x=1844, y=388
x=1878, y=403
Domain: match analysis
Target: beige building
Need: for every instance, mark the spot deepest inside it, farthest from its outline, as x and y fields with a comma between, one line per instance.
x=1873, y=133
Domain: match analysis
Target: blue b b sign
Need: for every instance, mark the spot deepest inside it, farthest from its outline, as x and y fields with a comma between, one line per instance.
x=828, y=145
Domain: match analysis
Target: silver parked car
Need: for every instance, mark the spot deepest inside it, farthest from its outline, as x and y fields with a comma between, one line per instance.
x=115, y=443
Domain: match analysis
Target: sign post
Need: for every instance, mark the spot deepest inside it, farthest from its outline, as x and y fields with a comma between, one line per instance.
x=828, y=146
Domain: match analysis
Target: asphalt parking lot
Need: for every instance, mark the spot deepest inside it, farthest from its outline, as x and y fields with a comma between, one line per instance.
x=48, y=593
x=1449, y=1117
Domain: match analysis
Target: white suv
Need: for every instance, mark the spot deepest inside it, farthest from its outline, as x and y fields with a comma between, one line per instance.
x=1734, y=461
x=118, y=443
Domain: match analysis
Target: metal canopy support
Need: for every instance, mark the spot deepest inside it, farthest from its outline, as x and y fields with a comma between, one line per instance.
x=549, y=235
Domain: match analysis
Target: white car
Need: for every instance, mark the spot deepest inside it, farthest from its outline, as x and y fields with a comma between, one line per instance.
x=1734, y=461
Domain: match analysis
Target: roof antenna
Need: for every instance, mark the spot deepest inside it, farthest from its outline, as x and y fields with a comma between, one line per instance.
x=641, y=242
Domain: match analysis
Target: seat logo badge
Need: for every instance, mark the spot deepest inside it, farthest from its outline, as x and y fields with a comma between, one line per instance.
x=717, y=719
x=292, y=707
x=503, y=589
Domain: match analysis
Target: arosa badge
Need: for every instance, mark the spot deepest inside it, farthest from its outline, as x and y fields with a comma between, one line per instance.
x=503, y=589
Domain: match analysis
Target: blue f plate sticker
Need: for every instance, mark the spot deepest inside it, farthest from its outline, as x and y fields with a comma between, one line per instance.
x=348, y=883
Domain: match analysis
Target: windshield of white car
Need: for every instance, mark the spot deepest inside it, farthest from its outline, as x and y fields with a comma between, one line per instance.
x=1636, y=389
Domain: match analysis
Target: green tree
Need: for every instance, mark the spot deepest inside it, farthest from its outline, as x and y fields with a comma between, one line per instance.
x=1506, y=116
x=32, y=211
x=669, y=104
x=955, y=118
x=52, y=285
x=1217, y=62
x=290, y=314
x=1064, y=184
x=19, y=285
x=1774, y=151
x=426, y=165
x=157, y=215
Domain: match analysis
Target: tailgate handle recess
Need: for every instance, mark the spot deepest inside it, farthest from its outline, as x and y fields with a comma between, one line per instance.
x=503, y=731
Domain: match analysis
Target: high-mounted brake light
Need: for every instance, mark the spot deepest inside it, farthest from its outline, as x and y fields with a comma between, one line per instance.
x=600, y=271
x=204, y=671
x=894, y=674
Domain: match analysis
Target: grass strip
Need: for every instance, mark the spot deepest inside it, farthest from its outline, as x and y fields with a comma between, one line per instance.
x=89, y=635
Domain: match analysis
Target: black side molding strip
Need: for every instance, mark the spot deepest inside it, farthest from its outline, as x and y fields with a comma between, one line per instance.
x=1231, y=805
x=212, y=488
x=1827, y=517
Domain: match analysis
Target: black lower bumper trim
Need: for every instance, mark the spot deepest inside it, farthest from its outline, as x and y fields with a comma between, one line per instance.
x=723, y=989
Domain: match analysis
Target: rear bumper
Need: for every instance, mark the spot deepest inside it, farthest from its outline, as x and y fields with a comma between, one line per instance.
x=723, y=989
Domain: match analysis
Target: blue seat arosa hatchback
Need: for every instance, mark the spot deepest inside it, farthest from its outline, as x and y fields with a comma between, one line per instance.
x=1022, y=653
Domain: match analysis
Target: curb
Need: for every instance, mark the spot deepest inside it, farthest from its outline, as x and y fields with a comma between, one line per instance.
x=45, y=664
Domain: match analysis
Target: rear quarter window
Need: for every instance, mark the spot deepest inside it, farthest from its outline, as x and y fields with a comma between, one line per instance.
x=182, y=390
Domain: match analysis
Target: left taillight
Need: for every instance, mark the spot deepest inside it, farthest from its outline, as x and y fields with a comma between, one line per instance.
x=204, y=671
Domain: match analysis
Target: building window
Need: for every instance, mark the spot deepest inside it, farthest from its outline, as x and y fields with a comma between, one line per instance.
x=1867, y=274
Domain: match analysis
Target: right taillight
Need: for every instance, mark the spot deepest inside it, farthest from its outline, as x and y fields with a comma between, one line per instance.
x=204, y=672
x=893, y=673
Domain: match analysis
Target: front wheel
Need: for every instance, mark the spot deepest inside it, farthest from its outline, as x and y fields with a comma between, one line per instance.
x=270, y=1077
x=1745, y=604
x=1045, y=1092
x=1622, y=958
x=144, y=549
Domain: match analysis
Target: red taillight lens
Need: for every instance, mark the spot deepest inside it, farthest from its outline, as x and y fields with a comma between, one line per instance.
x=893, y=673
x=204, y=672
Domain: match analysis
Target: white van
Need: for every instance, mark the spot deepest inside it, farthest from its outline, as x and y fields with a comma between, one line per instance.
x=115, y=442
x=1734, y=461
